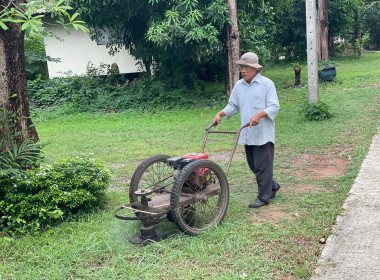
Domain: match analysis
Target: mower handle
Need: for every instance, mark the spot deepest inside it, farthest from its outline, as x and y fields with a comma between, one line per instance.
x=225, y=132
x=215, y=123
x=244, y=126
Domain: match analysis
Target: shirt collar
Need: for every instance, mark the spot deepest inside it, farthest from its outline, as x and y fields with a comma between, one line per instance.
x=256, y=79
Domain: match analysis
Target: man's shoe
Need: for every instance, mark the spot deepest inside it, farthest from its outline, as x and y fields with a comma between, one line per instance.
x=274, y=192
x=257, y=203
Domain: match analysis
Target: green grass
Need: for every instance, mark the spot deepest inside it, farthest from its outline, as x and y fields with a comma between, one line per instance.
x=280, y=241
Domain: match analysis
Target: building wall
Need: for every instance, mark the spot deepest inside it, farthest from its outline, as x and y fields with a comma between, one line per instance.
x=77, y=50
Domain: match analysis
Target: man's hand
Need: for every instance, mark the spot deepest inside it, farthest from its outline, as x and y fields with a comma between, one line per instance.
x=255, y=119
x=218, y=116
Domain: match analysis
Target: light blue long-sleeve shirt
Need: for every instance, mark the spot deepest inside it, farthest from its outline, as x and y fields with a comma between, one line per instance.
x=250, y=99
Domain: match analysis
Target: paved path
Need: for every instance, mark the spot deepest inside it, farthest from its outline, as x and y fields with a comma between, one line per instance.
x=353, y=250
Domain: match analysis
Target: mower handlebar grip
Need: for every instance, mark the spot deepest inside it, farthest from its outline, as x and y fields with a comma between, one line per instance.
x=244, y=126
x=215, y=123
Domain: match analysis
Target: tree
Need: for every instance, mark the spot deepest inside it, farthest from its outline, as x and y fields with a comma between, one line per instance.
x=371, y=16
x=16, y=18
x=171, y=36
x=290, y=36
x=232, y=47
x=257, y=27
x=323, y=28
x=342, y=21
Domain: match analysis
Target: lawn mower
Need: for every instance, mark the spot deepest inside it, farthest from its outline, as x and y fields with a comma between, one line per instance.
x=190, y=190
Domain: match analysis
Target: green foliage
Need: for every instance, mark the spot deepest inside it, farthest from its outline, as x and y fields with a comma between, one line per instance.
x=371, y=15
x=259, y=246
x=96, y=94
x=256, y=32
x=288, y=29
x=185, y=22
x=317, y=111
x=169, y=36
x=8, y=120
x=366, y=41
x=35, y=57
x=211, y=68
x=185, y=33
x=341, y=17
x=174, y=36
x=328, y=62
x=14, y=160
x=44, y=196
x=28, y=14
x=297, y=64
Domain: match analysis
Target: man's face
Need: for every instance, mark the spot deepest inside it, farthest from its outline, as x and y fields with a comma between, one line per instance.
x=248, y=73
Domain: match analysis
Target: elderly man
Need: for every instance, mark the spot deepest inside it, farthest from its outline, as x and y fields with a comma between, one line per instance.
x=256, y=98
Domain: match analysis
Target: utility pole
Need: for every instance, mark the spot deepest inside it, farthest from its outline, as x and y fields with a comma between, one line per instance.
x=312, y=50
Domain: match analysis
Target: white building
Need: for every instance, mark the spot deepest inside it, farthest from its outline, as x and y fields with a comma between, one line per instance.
x=76, y=50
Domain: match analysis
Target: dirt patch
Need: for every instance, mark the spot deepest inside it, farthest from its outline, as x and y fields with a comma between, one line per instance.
x=374, y=85
x=272, y=214
x=320, y=166
x=300, y=188
x=307, y=189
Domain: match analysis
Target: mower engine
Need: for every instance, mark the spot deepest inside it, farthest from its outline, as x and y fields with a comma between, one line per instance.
x=202, y=176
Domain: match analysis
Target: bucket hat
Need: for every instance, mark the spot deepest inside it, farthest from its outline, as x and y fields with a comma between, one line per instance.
x=249, y=59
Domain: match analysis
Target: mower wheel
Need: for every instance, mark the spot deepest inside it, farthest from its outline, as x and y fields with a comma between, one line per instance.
x=196, y=208
x=153, y=174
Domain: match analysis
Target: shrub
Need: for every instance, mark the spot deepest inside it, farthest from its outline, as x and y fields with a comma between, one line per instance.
x=95, y=94
x=44, y=196
x=317, y=111
x=15, y=159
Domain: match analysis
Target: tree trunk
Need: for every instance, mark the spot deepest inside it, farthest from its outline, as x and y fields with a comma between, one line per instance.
x=331, y=44
x=323, y=28
x=231, y=47
x=297, y=72
x=13, y=87
x=358, y=36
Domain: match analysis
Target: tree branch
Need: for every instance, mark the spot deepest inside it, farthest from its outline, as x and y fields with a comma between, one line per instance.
x=18, y=8
x=10, y=3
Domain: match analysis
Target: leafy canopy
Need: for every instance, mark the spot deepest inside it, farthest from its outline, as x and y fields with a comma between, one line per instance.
x=30, y=13
x=175, y=35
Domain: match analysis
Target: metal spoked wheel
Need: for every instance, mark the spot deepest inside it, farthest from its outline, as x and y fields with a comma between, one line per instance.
x=152, y=174
x=200, y=195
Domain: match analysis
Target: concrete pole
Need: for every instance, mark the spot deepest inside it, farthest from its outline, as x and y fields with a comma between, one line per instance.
x=312, y=50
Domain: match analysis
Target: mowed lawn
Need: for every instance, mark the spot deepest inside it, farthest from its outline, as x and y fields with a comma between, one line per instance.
x=315, y=163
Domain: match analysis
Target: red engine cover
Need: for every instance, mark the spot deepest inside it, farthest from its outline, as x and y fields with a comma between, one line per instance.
x=196, y=156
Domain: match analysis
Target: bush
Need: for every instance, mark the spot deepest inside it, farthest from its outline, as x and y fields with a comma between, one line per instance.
x=366, y=42
x=15, y=159
x=95, y=94
x=317, y=111
x=44, y=196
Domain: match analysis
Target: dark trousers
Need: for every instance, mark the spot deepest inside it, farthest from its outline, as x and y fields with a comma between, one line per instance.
x=260, y=160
